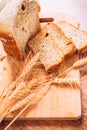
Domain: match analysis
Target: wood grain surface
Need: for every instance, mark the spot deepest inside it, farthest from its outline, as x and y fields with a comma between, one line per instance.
x=54, y=105
x=60, y=102
x=76, y=8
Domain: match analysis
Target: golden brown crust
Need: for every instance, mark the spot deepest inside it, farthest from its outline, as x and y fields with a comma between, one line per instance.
x=72, y=47
x=62, y=59
x=9, y=44
x=33, y=43
x=51, y=68
x=81, y=48
x=57, y=62
x=71, y=52
x=73, y=26
x=38, y=5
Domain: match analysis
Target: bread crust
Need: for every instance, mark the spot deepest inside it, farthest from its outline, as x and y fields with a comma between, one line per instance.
x=58, y=59
x=10, y=45
x=18, y=26
x=81, y=47
x=37, y=41
x=69, y=43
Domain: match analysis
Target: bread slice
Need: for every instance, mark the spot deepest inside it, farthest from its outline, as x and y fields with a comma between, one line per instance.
x=60, y=39
x=35, y=42
x=50, y=55
x=78, y=36
x=33, y=21
x=19, y=22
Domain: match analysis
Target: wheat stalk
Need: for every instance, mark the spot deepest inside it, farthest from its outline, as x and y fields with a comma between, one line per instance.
x=76, y=65
x=80, y=63
x=66, y=81
x=31, y=98
x=22, y=103
x=22, y=77
x=27, y=71
x=34, y=101
x=21, y=92
x=20, y=88
x=23, y=89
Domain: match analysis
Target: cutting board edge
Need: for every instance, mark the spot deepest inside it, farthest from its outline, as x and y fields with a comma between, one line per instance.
x=47, y=118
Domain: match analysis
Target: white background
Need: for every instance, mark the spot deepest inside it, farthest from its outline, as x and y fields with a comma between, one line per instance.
x=77, y=8
x=63, y=6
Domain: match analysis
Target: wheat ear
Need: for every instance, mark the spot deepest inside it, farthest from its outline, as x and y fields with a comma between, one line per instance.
x=77, y=64
x=38, y=96
x=21, y=92
x=22, y=77
x=80, y=63
x=31, y=98
x=22, y=103
x=66, y=81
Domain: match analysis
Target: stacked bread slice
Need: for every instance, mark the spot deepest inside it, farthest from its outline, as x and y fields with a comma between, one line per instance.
x=62, y=37
x=53, y=46
x=51, y=55
x=63, y=42
x=78, y=36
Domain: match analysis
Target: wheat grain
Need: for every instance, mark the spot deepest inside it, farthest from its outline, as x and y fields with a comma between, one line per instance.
x=77, y=64
x=27, y=70
x=66, y=81
x=80, y=63
x=23, y=89
x=38, y=96
x=33, y=98
x=16, y=92
x=21, y=92
x=22, y=103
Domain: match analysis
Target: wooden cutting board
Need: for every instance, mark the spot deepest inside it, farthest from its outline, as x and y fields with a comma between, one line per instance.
x=59, y=102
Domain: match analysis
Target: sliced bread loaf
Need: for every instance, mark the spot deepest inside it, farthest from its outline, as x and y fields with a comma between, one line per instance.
x=60, y=39
x=19, y=22
x=50, y=55
x=78, y=36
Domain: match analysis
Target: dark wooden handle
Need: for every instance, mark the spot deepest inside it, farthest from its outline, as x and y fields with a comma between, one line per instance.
x=50, y=19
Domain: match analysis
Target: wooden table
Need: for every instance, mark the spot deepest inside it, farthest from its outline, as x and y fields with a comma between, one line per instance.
x=77, y=8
